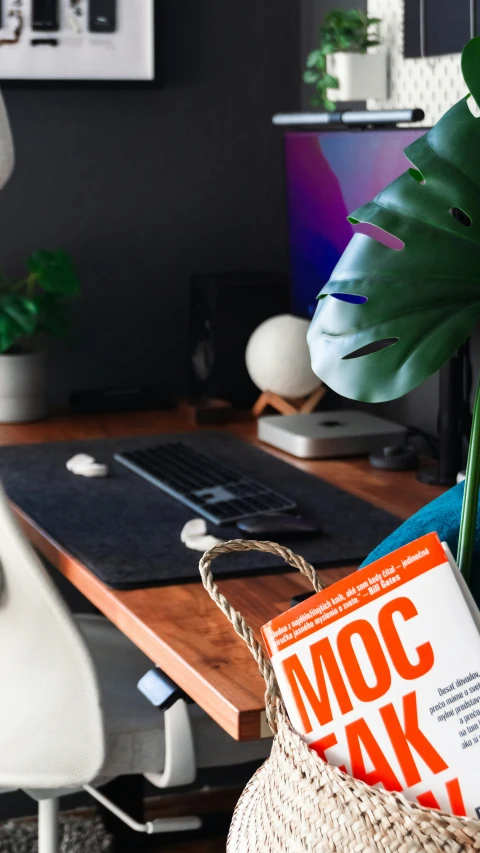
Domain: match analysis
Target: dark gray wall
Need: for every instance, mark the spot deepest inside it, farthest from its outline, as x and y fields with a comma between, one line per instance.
x=146, y=187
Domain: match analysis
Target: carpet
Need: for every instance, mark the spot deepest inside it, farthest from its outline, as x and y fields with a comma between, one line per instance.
x=77, y=835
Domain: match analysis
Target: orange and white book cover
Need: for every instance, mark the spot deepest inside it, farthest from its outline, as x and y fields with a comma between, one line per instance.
x=380, y=674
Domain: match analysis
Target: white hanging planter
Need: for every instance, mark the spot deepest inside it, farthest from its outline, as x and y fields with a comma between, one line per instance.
x=360, y=75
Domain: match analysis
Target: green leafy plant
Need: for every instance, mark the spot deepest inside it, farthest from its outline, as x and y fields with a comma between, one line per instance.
x=35, y=304
x=390, y=317
x=352, y=30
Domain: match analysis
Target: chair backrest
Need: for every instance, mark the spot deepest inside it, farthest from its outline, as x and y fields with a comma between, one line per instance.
x=51, y=725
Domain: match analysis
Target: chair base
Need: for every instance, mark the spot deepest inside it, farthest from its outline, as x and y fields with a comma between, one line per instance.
x=48, y=826
x=151, y=827
x=48, y=834
x=127, y=793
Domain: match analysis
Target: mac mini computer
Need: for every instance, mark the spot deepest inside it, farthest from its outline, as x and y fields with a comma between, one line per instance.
x=325, y=434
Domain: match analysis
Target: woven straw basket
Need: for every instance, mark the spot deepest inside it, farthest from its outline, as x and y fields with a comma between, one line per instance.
x=296, y=802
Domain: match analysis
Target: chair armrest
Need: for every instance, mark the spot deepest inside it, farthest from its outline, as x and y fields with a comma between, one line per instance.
x=160, y=690
x=180, y=766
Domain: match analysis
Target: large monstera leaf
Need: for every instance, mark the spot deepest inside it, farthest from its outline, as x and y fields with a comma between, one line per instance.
x=389, y=318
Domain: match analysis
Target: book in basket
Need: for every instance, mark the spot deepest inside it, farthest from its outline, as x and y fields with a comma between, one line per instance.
x=380, y=674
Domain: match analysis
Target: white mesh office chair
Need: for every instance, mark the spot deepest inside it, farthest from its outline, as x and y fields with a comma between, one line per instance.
x=70, y=712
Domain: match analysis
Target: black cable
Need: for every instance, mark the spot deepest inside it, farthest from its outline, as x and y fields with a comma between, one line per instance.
x=468, y=385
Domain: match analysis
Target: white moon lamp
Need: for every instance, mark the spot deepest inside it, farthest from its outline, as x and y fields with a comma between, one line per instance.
x=278, y=362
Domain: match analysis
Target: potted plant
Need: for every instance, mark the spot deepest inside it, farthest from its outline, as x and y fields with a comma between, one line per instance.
x=31, y=308
x=389, y=318
x=340, y=69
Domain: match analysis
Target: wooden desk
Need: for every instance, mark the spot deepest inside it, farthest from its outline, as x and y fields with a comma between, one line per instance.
x=178, y=627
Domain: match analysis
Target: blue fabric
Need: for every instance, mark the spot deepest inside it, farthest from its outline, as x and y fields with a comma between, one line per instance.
x=441, y=516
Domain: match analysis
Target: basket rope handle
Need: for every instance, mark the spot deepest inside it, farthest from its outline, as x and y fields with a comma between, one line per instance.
x=241, y=626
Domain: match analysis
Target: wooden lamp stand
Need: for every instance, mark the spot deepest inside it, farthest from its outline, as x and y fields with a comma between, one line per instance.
x=302, y=405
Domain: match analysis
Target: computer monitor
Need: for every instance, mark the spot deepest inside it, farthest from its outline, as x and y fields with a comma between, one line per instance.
x=329, y=174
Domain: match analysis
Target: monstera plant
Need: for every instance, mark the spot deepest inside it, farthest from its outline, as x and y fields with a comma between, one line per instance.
x=391, y=315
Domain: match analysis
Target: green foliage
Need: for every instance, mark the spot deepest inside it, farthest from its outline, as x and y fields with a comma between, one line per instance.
x=35, y=304
x=414, y=305
x=351, y=30
x=54, y=272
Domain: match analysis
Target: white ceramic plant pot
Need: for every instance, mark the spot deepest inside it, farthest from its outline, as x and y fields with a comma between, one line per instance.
x=360, y=75
x=22, y=387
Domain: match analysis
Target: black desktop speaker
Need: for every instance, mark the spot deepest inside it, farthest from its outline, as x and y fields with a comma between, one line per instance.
x=224, y=311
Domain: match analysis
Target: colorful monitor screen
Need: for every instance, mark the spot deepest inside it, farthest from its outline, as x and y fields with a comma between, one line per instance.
x=328, y=175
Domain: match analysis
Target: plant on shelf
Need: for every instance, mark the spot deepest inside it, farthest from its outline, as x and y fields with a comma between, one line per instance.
x=31, y=308
x=342, y=31
x=390, y=317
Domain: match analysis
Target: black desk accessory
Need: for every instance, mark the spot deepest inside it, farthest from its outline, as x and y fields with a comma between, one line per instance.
x=398, y=458
x=453, y=419
x=216, y=345
x=123, y=399
x=301, y=597
x=127, y=532
x=453, y=428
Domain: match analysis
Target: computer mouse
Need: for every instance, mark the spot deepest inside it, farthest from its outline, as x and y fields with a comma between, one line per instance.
x=278, y=524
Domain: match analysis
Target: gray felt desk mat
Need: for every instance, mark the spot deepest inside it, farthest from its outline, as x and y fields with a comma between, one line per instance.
x=127, y=532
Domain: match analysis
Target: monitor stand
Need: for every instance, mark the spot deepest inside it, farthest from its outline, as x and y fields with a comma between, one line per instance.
x=454, y=421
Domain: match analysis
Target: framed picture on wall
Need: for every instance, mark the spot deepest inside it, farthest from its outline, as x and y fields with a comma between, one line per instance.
x=77, y=40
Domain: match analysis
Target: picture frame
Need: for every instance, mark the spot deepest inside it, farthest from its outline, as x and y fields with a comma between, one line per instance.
x=78, y=43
